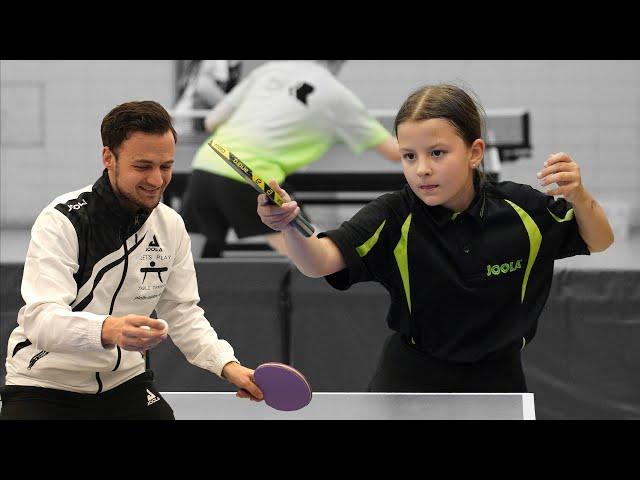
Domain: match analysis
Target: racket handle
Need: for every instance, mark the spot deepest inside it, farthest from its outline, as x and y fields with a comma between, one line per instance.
x=303, y=225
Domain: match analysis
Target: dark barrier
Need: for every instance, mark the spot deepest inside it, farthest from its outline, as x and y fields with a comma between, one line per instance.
x=241, y=299
x=584, y=362
x=337, y=336
x=10, y=303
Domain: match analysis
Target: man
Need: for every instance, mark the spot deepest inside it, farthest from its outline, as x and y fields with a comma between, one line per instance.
x=100, y=261
x=203, y=85
x=282, y=116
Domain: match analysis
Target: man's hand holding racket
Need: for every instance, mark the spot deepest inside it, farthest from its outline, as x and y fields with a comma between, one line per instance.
x=242, y=377
x=281, y=386
x=275, y=217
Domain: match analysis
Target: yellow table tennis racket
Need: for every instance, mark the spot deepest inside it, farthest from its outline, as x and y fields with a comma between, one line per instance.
x=300, y=222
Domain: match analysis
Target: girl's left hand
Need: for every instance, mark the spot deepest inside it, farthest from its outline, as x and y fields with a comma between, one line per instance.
x=563, y=171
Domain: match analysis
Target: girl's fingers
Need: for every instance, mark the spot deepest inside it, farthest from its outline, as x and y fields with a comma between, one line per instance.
x=263, y=199
x=283, y=194
x=554, y=192
x=285, y=221
x=557, y=157
x=560, y=177
x=557, y=167
x=274, y=213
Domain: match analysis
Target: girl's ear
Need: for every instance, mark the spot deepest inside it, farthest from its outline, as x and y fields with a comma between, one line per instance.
x=477, y=152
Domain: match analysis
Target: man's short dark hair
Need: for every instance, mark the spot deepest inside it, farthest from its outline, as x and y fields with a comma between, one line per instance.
x=146, y=116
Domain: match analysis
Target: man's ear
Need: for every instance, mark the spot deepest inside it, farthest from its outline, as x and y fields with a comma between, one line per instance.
x=108, y=158
x=477, y=152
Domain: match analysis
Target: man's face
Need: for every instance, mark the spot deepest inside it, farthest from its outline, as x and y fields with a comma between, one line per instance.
x=142, y=169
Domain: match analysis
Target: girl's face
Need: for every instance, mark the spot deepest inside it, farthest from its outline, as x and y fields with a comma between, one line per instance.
x=437, y=163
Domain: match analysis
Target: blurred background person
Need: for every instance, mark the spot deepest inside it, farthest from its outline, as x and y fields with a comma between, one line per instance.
x=201, y=85
x=281, y=117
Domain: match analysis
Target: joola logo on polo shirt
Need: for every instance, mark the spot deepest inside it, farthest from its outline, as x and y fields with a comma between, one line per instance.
x=76, y=206
x=504, y=268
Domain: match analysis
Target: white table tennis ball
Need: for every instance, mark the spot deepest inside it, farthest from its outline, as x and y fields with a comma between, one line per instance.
x=166, y=325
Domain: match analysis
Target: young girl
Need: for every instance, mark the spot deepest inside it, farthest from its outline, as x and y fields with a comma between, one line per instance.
x=468, y=264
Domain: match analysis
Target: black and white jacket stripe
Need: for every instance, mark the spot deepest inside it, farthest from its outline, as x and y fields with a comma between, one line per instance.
x=90, y=258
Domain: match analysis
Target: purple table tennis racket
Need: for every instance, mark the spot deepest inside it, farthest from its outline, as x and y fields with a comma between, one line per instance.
x=284, y=387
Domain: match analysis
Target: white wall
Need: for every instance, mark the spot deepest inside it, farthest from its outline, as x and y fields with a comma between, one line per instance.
x=589, y=109
x=51, y=114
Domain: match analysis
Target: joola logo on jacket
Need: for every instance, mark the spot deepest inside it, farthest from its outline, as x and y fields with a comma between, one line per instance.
x=504, y=268
x=76, y=206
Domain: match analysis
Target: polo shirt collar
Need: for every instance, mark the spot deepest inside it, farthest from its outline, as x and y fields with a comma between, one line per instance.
x=477, y=209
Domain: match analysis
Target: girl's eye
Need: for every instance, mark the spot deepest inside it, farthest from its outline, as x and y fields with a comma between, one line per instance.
x=408, y=156
x=437, y=153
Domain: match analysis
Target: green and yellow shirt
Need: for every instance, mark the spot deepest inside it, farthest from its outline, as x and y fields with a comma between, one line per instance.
x=287, y=114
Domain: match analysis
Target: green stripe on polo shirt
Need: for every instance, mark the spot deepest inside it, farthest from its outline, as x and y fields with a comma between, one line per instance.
x=535, y=239
x=402, y=259
x=566, y=218
x=368, y=245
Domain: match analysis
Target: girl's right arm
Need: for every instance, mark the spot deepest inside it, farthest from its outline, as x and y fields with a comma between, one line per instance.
x=314, y=257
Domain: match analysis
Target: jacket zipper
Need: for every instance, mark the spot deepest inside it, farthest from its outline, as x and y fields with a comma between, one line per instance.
x=113, y=301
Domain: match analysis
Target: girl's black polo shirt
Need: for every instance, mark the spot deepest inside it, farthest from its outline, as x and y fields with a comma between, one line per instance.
x=462, y=285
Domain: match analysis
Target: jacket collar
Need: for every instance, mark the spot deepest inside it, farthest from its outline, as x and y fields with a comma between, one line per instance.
x=112, y=212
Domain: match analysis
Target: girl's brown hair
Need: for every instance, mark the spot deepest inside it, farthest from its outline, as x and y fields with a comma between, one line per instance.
x=450, y=102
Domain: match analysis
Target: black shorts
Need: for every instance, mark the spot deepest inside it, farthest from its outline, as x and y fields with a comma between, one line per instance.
x=136, y=399
x=403, y=368
x=213, y=204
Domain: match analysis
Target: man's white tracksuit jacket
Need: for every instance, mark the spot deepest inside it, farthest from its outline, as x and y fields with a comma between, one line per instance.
x=89, y=258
